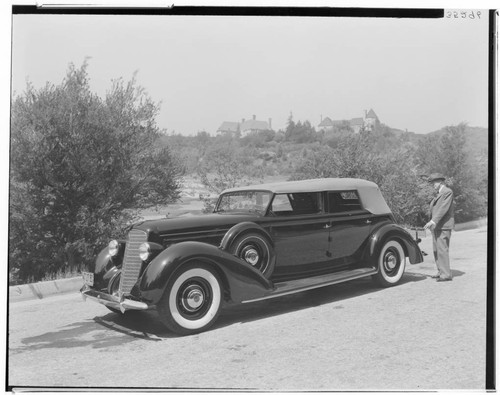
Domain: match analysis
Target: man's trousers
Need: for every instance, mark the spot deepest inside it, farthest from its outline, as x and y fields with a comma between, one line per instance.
x=441, y=246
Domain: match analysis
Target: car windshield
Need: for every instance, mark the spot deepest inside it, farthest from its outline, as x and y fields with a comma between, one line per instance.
x=246, y=201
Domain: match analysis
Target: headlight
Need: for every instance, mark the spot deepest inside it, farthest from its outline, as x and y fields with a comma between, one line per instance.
x=113, y=247
x=144, y=251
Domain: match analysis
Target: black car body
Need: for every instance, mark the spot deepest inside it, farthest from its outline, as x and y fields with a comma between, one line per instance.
x=261, y=242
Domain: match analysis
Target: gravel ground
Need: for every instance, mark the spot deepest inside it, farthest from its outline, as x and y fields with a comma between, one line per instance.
x=420, y=335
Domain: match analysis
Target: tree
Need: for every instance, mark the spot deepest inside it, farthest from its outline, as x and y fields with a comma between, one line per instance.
x=299, y=132
x=81, y=167
x=317, y=164
x=222, y=167
x=202, y=139
x=259, y=139
x=290, y=127
x=446, y=153
x=394, y=172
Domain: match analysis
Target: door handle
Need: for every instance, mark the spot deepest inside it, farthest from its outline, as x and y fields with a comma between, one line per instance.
x=327, y=226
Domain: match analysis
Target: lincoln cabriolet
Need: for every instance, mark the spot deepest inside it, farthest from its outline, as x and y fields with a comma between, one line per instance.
x=261, y=242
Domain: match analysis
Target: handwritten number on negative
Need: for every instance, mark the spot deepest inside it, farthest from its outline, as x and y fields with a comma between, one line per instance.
x=463, y=14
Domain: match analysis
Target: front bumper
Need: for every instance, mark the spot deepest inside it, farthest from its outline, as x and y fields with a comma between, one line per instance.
x=122, y=304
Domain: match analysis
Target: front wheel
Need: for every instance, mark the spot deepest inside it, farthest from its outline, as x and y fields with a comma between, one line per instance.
x=192, y=300
x=391, y=264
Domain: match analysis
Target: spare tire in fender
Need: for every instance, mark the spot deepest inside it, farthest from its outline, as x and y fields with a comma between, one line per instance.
x=256, y=250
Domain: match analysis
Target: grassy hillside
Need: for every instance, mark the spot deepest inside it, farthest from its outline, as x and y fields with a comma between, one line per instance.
x=272, y=155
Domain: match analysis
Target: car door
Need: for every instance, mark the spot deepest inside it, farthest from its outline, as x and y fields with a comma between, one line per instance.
x=300, y=232
x=350, y=226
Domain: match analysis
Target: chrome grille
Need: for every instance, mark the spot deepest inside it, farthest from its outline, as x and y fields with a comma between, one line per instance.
x=131, y=266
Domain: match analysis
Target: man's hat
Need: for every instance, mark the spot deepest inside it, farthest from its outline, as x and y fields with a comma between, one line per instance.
x=435, y=177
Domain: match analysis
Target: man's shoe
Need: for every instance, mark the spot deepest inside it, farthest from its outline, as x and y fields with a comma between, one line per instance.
x=441, y=279
x=435, y=276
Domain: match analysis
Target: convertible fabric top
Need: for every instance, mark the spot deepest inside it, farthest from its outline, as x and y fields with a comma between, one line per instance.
x=369, y=193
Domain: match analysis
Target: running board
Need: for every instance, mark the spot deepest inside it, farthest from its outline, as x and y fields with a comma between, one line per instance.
x=305, y=284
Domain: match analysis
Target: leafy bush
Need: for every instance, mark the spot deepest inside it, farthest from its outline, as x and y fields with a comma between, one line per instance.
x=81, y=168
x=394, y=172
x=467, y=176
x=259, y=139
x=300, y=132
x=220, y=169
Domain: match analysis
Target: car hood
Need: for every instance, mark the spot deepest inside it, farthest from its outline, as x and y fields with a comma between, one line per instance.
x=194, y=223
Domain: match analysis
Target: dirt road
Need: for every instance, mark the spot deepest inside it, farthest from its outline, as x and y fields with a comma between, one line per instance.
x=354, y=336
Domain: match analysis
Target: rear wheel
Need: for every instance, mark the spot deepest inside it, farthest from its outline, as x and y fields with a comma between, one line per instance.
x=192, y=300
x=391, y=264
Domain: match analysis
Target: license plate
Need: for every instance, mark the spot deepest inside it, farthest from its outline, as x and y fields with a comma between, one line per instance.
x=88, y=278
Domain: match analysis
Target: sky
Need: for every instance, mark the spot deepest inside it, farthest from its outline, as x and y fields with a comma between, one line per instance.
x=416, y=74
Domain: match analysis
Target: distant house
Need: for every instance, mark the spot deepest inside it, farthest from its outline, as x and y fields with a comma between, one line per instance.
x=325, y=124
x=368, y=122
x=244, y=127
x=371, y=119
x=357, y=124
x=229, y=127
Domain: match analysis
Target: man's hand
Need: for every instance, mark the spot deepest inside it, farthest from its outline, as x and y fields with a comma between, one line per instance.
x=430, y=225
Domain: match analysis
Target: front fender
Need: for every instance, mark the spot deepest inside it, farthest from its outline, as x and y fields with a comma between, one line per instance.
x=240, y=279
x=390, y=230
x=106, y=266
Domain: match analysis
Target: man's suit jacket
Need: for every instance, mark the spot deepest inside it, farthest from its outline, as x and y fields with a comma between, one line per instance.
x=442, y=209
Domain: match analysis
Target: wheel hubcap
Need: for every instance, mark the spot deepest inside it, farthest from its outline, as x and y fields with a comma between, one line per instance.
x=192, y=298
x=254, y=251
x=391, y=262
x=251, y=256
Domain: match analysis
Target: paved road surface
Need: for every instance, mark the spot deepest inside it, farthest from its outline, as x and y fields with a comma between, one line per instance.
x=418, y=335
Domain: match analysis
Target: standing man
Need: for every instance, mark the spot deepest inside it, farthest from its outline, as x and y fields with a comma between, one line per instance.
x=441, y=224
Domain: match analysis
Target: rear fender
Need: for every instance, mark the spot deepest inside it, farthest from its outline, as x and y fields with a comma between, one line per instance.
x=388, y=231
x=240, y=280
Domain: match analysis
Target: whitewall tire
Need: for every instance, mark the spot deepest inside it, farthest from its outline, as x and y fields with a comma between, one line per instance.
x=391, y=264
x=192, y=300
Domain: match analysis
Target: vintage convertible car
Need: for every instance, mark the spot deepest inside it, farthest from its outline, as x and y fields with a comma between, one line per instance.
x=261, y=242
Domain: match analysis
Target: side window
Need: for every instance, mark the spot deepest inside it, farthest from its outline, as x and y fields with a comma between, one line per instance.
x=297, y=204
x=339, y=202
x=281, y=205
